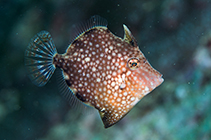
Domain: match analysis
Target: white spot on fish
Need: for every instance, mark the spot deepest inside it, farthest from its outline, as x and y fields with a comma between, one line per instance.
x=113, y=84
x=93, y=69
x=75, y=54
x=115, y=94
x=101, y=55
x=132, y=98
x=80, y=85
x=87, y=59
x=128, y=73
x=98, y=80
x=146, y=88
x=109, y=57
x=125, y=93
x=111, y=47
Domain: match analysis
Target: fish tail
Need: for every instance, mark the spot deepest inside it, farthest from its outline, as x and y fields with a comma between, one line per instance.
x=39, y=58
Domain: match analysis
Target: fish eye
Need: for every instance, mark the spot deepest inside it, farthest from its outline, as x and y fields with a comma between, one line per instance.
x=133, y=63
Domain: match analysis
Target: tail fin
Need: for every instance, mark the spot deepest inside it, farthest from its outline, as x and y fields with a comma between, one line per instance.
x=39, y=58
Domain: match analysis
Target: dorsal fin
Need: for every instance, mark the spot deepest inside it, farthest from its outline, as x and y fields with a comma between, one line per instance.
x=94, y=21
x=128, y=37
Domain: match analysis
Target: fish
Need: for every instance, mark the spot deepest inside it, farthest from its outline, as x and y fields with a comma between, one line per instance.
x=102, y=70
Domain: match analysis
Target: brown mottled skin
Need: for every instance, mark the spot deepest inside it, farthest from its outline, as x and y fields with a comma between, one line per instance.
x=107, y=72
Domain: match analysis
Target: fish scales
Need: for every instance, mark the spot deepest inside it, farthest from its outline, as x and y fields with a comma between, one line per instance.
x=107, y=72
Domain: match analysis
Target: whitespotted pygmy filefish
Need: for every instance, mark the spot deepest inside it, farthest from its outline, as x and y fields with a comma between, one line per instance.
x=102, y=70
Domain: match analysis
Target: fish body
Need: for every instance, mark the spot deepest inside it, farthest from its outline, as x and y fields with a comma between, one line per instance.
x=102, y=70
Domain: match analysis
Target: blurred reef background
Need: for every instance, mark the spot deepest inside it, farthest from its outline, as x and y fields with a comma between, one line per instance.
x=174, y=35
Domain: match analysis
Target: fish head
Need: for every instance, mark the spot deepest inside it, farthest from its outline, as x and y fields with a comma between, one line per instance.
x=133, y=79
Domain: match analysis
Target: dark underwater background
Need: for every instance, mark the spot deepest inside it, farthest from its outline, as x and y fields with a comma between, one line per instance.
x=174, y=35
